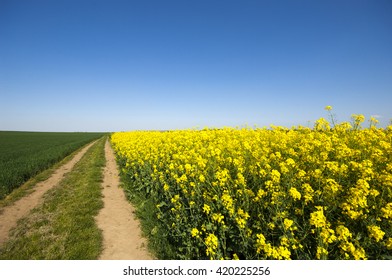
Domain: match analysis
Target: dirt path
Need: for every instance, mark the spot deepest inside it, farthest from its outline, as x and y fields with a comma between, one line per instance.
x=121, y=231
x=11, y=214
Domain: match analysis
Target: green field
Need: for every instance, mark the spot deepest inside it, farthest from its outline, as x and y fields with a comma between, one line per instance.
x=25, y=154
x=63, y=227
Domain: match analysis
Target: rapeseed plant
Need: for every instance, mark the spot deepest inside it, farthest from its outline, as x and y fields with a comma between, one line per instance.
x=301, y=193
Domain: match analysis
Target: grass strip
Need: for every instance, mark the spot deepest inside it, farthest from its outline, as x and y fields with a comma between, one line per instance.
x=63, y=226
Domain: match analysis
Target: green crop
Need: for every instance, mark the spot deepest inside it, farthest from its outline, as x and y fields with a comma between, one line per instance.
x=25, y=154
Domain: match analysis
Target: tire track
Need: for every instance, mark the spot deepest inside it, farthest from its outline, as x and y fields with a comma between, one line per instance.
x=122, y=238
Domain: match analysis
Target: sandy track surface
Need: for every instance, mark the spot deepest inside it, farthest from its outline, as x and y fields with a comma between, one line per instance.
x=11, y=214
x=122, y=238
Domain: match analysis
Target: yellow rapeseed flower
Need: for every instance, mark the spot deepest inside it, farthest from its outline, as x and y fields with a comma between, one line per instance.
x=294, y=193
x=343, y=233
x=275, y=176
x=317, y=218
x=218, y=217
x=388, y=243
x=376, y=232
x=387, y=211
x=211, y=242
x=260, y=242
x=321, y=253
x=206, y=209
x=288, y=223
x=195, y=232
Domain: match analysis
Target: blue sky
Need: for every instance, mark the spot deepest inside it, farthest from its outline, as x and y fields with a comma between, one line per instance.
x=125, y=65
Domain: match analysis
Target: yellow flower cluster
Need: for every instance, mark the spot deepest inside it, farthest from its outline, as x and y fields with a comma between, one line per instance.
x=317, y=218
x=300, y=193
x=211, y=242
x=376, y=233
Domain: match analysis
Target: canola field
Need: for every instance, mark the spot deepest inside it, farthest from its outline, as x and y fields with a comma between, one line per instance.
x=278, y=193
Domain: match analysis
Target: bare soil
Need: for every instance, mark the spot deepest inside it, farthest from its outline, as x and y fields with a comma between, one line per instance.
x=122, y=238
x=12, y=213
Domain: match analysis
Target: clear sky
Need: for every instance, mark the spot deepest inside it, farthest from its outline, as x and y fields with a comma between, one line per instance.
x=74, y=65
